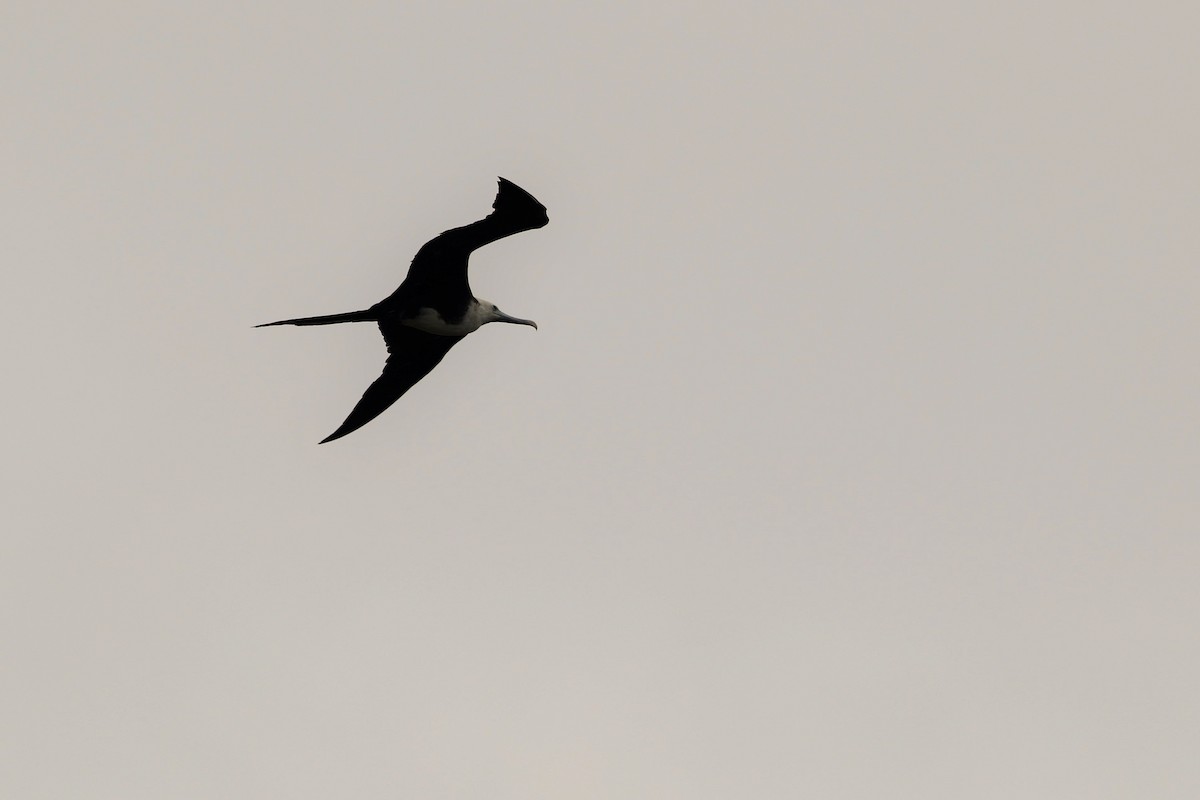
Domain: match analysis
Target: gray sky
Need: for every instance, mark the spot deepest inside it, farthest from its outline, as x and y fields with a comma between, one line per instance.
x=856, y=455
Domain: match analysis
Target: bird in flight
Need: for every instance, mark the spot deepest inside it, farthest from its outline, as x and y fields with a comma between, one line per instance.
x=434, y=308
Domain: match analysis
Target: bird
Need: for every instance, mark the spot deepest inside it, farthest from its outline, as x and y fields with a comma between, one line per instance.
x=434, y=308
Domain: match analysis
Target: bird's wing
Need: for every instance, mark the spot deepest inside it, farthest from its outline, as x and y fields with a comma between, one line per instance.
x=412, y=354
x=514, y=210
x=441, y=263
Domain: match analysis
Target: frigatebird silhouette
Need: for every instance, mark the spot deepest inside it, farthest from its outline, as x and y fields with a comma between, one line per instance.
x=433, y=309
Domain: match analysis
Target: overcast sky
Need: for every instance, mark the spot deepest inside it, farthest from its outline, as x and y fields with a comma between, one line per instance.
x=856, y=455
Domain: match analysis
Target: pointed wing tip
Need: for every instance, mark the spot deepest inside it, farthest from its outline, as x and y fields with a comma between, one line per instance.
x=504, y=184
x=513, y=201
x=339, y=433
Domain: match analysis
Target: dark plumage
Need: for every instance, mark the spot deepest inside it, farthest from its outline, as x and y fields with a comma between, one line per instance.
x=433, y=309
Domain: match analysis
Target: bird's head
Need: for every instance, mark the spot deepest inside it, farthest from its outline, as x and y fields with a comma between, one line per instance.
x=493, y=314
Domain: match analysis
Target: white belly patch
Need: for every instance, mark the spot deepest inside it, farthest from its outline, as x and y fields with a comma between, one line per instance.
x=430, y=321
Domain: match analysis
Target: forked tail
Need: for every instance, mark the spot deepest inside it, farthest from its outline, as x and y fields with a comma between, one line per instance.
x=329, y=319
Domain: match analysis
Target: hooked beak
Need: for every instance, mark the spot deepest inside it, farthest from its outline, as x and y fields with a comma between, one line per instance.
x=502, y=317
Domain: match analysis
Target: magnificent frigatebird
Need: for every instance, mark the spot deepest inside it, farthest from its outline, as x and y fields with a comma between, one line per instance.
x=433, y=309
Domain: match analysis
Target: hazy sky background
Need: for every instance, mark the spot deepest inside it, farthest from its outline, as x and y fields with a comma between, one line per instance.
x=856, y=456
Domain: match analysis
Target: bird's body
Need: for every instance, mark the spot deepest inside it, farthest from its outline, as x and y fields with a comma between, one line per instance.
x=433, y=309
x=430, y=320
